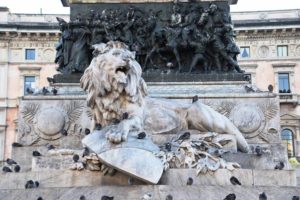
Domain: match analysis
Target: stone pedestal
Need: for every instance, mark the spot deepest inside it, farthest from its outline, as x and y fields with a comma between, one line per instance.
x=254, y=112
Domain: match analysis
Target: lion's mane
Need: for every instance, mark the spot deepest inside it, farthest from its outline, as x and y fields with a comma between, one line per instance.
x=107, y=96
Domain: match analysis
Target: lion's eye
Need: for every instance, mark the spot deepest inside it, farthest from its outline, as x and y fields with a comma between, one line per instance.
x=116, y=53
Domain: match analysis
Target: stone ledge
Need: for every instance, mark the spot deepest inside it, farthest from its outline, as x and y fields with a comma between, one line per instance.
x=157, y=192
x=173, y=177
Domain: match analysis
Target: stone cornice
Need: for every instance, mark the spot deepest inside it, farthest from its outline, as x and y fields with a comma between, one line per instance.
x=253, y=36
x=29, y=36
x=23, y=68
x=275, y=59
x=249, y=66
x=276, y=65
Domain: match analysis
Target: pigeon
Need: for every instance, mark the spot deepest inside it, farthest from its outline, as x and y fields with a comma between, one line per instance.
x=189, y=181
x=82, y=197
x=50, y=80
x=10, y=161
x=17, y=168
x=36, y=184
x=87, y=131
x=36, y=153
x=75, y=158
x=258, y=151
x=235, y=181
x=270, y=88
x=98, y=127
x=64, y=132
x=141, y=135
x=125, y=115
x=296, y=198
x=263, y=196
x=169, y=197
x=184, y=136
x=86, y=152
x=29, y=91
x=29, y=184
x=50, y=147
x=195, y=99
x=231, y=196
x=15, y=144
x=279, y=166
x=147, y=197
x=249, y=89
x=107, y=198
x=39, y=198
x=168, y=146
x=6, y=169
x=54, y=91
x=45, y=91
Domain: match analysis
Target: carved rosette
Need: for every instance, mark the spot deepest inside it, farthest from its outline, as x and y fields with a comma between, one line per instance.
x=249, y=119
x=50, y=122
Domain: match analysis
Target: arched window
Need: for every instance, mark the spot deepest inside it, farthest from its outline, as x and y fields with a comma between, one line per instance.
x=287, y=137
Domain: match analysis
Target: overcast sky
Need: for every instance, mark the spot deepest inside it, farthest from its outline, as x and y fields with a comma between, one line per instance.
x=55, y=6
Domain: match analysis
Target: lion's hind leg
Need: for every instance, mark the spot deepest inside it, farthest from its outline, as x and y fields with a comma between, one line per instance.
x=203, y=118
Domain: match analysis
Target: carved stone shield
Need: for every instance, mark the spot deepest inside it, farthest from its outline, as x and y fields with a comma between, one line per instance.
x=134, y=157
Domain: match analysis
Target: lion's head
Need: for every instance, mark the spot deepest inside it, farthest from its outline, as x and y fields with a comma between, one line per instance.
x=113, y=72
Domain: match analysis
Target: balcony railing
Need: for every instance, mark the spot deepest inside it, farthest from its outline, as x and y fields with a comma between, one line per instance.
x=289, y=98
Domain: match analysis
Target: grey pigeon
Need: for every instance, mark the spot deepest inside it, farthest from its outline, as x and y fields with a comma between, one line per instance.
x=235, y=181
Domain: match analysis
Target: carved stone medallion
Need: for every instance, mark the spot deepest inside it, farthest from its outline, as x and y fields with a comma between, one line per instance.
x=49, y=122
x=263, y=51
x=249, y=119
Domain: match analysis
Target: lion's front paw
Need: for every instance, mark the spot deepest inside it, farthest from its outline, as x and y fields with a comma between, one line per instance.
x=117, y=136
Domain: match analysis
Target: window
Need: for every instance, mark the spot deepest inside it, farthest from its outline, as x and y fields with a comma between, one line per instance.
x=282, y=50
x=287, y=137
x=29, y=84
x=284, y=83
x=245, y=52
x=29, y=54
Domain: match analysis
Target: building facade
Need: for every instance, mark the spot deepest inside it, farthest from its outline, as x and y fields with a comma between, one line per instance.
x=27, y=53
x=270, y=55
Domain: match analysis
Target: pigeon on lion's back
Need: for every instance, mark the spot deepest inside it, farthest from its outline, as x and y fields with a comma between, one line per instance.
x=115, y=86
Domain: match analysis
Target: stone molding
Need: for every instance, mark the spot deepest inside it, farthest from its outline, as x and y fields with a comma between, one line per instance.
x=280, y=65
x=29, y=70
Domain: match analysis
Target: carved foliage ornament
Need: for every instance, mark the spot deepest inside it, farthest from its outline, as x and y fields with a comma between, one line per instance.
x=250, y=118
x=48, y=122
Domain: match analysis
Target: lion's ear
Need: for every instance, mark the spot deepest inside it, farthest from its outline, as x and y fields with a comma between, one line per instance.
x=133, y=54
x=99, y=49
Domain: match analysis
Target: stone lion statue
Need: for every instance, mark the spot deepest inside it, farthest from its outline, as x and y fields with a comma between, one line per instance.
x=117, y=92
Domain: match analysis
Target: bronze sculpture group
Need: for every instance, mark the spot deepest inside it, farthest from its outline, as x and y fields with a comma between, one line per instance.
x=189, y=39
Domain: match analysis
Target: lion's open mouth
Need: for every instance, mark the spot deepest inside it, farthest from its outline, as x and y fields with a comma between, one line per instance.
x=123, y=69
